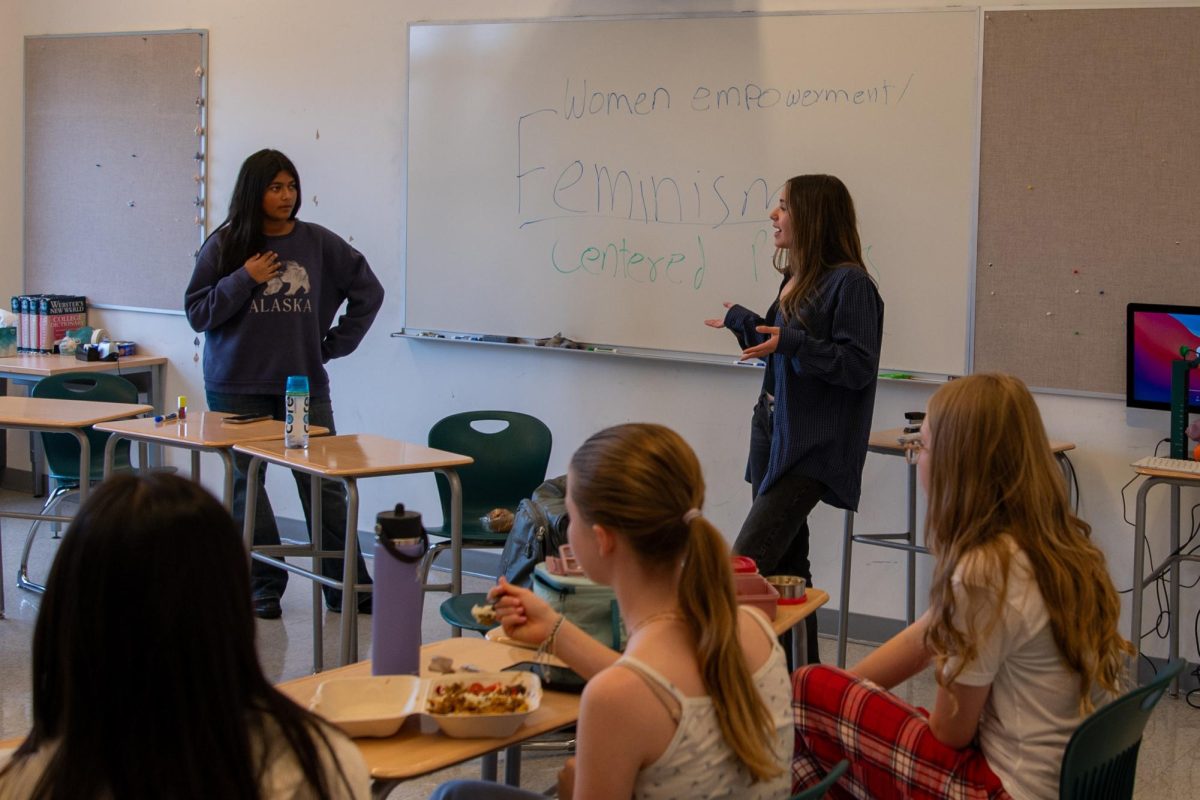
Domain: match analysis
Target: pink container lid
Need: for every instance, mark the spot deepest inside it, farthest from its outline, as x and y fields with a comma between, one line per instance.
x=743, y=564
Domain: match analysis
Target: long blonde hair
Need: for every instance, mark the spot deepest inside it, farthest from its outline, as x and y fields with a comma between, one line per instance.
x=824, y=234
x=992, y=476
x=639, y=480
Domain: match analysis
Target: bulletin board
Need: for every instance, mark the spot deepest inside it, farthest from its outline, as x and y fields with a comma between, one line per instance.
x=114, y=165
x=1089, y=187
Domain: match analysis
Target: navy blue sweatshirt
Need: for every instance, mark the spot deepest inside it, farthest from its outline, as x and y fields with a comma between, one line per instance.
x=823, y=376
x=256, y=335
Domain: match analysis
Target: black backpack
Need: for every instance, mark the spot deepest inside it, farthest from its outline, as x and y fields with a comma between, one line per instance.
x=539, y=527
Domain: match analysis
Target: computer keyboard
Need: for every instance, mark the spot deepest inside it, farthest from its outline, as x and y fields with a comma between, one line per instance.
x=1168, y=464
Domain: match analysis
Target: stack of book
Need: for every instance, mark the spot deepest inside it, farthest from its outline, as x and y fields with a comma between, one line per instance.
x=43, y=319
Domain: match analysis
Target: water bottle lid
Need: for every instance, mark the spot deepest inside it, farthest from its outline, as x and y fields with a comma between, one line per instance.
x=297, y=383
x=399, y=525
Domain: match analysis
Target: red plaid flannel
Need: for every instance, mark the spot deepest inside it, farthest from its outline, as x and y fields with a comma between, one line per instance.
x=892, y=752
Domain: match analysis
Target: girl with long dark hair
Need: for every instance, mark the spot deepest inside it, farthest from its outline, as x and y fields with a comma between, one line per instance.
x=146, y=682
x=820, y=340
x=265, y=292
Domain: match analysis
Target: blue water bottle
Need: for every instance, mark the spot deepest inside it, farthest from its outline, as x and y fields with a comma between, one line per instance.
x=295, y=420
x=399, y=595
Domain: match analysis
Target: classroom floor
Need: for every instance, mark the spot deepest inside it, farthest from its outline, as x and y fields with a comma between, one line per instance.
x=1169, y=763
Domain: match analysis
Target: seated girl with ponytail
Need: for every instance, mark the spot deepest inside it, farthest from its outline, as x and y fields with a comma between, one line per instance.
x=699, y=705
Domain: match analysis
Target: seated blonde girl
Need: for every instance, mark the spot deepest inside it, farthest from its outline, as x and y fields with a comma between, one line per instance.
x=1021, y=629
x=699, y=705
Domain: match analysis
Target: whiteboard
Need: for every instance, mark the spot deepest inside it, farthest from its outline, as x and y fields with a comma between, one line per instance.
x=611, y=179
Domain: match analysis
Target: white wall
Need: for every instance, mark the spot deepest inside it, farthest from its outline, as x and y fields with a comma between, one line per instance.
x=280, y=70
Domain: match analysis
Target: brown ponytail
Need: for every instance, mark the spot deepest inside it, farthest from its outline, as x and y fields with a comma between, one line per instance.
x=639, y=480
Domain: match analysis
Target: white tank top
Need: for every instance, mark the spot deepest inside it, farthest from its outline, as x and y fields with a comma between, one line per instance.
x=698, y=763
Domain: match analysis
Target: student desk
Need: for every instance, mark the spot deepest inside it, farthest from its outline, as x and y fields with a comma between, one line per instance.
x=200, y=432
x=347, y=459
x=36, y=414
x=28, y=368
x=887, y=442
x=787, y=617
x=412, y=753
x=1176, y=480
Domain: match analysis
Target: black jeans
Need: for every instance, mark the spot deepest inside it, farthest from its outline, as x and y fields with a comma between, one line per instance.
x=775, y=533
x=265, y=580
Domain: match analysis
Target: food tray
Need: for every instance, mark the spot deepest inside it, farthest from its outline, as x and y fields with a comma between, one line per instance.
x=377, y=706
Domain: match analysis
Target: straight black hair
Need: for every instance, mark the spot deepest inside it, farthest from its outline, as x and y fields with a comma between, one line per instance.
x=146, y=681
x=241, y=234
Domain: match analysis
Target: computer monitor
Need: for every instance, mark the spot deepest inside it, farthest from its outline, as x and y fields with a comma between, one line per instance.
x=1153, y=335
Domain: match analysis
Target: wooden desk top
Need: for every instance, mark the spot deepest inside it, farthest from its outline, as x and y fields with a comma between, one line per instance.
x=356, y=455
x=888, y=443
x=787, y=616
x=44, y=412
x=413, y=752
x=43, y=366
x=201, y=429
x=1167, y=473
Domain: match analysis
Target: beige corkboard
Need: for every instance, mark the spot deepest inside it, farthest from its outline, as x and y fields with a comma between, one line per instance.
x=1089, y=187
x=114, y=165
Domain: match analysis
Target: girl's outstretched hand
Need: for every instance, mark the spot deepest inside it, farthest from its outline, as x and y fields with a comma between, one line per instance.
x=766, y=348
x=720, y=321
x=524, y=616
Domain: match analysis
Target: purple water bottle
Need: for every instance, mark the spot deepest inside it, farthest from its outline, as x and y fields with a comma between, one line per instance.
x=399, y=596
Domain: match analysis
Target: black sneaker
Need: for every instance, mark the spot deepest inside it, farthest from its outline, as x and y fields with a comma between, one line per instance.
x=267, y=607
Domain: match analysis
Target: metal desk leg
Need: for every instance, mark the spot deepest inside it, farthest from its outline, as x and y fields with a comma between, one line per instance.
x=350, y=575
x=455, y=530
x=1170, y=564
x=911, y=607
x=1, y=575
x=110, y=454
x=1176, y=617
x=512, y=765
x=800, y=644
x=252, y=471
x=844, y=609
x=316, y=541
x=227, y=462
x=1139, y=549
x=381, y=788
x=196, y=466
x=487, y=767
x=37, y=460
x=85, y=463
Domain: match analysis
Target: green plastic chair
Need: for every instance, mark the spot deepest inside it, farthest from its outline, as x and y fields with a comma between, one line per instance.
x=62, y=449
x=1100, y=761
x=819, y=791
x=509, y=464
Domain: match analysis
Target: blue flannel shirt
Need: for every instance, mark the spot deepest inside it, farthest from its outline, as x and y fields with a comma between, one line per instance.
x=823, y=376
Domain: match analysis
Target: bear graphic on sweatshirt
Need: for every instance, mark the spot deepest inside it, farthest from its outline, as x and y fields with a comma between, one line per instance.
x=294, y=275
